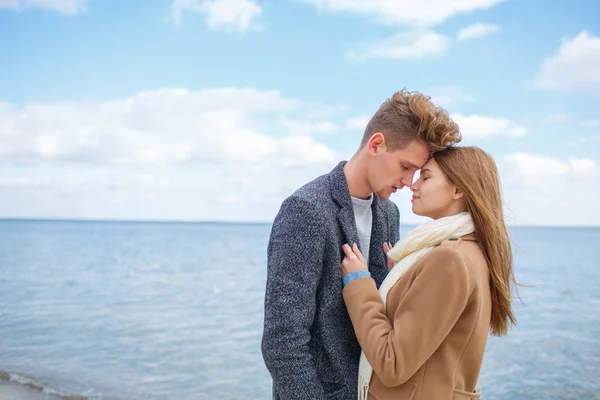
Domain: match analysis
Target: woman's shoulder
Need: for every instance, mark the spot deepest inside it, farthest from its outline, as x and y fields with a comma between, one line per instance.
x=459, y=246
x=445, y=255
x=459, y=256
x=453, y=253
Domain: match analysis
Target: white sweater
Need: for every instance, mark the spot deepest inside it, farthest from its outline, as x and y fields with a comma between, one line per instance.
x=363, y=217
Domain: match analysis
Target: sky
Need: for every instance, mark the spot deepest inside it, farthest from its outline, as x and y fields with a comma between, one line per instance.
x=216, y=110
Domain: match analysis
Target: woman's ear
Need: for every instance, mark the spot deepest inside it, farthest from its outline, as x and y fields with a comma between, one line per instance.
x=457, y=194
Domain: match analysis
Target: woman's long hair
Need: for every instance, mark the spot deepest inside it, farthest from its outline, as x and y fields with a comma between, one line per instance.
x=474, y=172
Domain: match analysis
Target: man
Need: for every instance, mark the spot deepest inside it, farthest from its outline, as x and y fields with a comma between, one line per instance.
x=308, y=344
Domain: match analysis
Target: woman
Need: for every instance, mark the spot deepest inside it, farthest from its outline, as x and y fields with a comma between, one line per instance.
x=423, y=334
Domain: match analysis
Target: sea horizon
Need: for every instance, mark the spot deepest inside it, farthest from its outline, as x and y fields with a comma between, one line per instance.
x=231, y=222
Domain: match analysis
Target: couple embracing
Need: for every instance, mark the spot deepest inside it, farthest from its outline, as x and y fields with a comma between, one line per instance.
x=352, y=311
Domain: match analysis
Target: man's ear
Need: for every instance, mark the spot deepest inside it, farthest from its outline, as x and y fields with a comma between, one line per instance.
x=376, y=143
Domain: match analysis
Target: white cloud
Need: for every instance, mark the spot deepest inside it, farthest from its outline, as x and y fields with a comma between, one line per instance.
x=163, y=154
x=300, y=151
x=229, y=15
x=170, y=126
x=415, y=44
x=582, y=166
x=531, y=170
x=574, y=67
x=408, y=45
x=306, y=128
x=591, y=123
x=542, y=190
x=404, y=12
x=538, y=171
x=448, y=96
x=67, y=7
x=479, y=126
x=218, y=154
x=475, y=31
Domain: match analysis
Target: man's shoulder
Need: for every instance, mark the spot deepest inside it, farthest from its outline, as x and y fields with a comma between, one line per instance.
x=322, y=189
x=311, y=201
x=308, y=208
x=314, y=191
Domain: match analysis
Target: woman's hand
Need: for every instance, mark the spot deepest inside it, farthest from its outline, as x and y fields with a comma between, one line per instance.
x=387, y=246
x=354, y=260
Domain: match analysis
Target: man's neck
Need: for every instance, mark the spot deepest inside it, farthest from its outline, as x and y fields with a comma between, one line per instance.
x=355, y=174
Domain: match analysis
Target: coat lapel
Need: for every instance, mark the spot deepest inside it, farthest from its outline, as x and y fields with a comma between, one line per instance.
x=341, y=196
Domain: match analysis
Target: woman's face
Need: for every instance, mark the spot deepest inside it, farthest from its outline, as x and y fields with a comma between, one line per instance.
x=433, y=195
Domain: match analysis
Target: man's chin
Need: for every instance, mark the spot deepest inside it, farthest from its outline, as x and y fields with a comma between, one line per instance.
x=384, y=195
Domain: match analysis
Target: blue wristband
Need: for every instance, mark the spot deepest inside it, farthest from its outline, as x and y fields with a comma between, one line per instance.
x=361, y=273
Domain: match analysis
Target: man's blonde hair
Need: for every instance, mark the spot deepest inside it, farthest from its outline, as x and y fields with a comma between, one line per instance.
x=407, y=116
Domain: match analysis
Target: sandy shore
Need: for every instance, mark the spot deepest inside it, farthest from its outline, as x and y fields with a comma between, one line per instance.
x=14, y=391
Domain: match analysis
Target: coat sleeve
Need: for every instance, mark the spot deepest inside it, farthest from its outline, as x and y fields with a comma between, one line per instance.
x=424, y=317
x=294, y=266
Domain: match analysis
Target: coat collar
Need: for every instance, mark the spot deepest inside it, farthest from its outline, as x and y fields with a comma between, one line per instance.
x=339, y=189
x=341, y=196
x=339, y=186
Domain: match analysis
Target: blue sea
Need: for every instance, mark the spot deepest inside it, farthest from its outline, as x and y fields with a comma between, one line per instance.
x=156, y=310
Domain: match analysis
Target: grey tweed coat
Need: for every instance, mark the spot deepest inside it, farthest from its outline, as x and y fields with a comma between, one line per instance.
x=308, y=343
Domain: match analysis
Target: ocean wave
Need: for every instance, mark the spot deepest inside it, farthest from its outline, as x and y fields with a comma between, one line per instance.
x=34, y=384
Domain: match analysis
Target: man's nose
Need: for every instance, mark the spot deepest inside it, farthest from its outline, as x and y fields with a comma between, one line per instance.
x=407, y=180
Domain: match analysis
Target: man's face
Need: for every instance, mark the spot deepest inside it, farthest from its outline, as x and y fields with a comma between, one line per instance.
x=394, y=170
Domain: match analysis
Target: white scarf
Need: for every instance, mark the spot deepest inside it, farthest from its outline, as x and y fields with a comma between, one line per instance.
x=414, y=245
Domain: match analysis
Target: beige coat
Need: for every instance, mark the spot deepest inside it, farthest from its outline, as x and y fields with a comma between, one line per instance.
x=429, y=342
